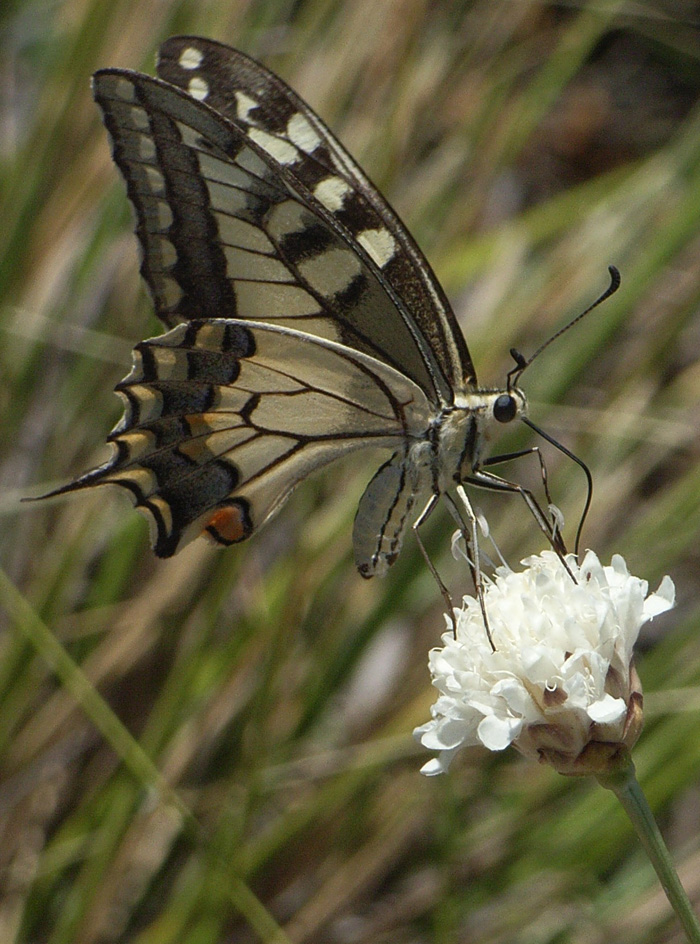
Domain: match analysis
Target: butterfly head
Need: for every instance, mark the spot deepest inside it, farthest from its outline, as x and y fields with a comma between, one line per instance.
x=475, y=422
x=511, y=403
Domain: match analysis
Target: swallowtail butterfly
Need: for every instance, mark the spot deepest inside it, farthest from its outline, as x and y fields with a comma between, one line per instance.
x=304, y=321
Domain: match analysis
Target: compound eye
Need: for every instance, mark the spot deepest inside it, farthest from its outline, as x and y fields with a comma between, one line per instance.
x=505, y=408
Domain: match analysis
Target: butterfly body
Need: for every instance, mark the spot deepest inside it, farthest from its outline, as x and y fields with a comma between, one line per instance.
x=304, y=321
x=449, y=452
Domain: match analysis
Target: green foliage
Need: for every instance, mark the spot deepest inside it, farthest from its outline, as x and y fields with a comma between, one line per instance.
x=217, y=747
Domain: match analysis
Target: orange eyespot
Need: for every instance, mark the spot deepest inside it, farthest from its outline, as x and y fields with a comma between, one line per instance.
x=230, y=524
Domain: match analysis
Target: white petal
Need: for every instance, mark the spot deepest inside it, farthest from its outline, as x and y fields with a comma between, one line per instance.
x=515, y=695
x=608, y=710
x=662, y=600
x=445, y=735
x=540, y=662
x=497, y=733
x=619, y=565
x=434, y=767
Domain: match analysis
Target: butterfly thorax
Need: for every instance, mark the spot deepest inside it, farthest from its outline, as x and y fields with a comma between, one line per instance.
x=467, y=429
x=452, y=450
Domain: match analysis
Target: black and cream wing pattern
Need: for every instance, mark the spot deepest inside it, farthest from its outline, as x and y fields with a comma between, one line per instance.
x=304, y=321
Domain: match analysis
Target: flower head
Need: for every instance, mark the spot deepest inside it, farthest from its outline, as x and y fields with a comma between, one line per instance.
x=561, y=684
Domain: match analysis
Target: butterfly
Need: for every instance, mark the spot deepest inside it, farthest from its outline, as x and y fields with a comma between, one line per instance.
x=304, y=322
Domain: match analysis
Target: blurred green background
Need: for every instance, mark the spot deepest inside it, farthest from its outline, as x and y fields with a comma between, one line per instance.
x=527, y=145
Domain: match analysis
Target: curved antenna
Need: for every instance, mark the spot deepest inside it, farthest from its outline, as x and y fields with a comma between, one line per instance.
x=580, y=463
x=521, y=363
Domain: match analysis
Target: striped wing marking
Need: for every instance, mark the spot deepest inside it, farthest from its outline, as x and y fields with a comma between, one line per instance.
x=256, y=99
x=223, y=418
x=224, y=235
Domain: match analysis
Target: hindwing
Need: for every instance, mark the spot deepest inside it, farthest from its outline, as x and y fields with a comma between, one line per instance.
x=223, y=418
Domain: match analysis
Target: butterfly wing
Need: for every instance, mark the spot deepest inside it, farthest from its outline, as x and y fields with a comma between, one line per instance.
x=259, y=101
x=229, y=227
x=308, y=324
x=224, y=417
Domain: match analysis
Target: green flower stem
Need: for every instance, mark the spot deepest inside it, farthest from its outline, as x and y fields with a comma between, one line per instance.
x=623, y=783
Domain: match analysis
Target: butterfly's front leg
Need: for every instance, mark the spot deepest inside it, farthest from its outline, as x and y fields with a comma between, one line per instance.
x=471, y=540
x=423, y=517
x=531, y=450
x=484, y=479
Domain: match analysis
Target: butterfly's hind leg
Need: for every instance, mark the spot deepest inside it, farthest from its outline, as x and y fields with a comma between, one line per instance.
x=470, y=535
x=422, y=517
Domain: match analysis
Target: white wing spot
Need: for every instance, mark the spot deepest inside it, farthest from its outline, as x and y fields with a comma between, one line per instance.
x=147, y=149
x=167, y=363
x=154, y=180
x=167, y=291
x=302, y=133
x=244, y=104
x=191, y=58
x=138, y=443
x=138, y=119
x=190, y=138
x=332, y=271
x=379, y=245
x=163, y=253
x=120, y=87
x=145, y=481
x=170, y=291
x=282, y=151
x=198, y=88
x=288, y=217
x=163, y=215
x=332, y=192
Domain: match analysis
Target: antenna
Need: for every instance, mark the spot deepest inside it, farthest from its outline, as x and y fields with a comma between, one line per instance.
x=521, y=363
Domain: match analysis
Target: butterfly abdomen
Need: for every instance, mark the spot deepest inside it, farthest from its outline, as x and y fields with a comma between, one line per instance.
x=388, y=505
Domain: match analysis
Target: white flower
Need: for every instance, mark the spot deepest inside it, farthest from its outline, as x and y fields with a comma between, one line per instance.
x=560, y=685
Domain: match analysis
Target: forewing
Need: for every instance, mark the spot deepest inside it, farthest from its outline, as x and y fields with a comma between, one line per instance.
x=256, y=99
x=225, y=235
x=224, y=417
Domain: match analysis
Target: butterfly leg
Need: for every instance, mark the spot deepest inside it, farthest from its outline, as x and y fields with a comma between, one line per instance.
x=507, y=457
x=488, y=480
x=422, y=517
x=469, y=532
x=473, y=555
